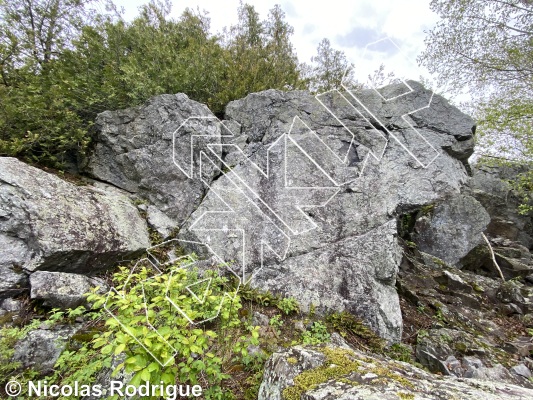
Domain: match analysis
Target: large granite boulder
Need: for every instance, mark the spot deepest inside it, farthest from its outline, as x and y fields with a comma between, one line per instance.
x=306, y=204
x=298, y=194
x=53, y=225
x=338, y=373
x=138, y=150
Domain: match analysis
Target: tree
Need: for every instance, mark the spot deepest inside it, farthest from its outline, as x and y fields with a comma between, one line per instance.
x=486, y=48
x=34, y=113
x=61, y=65
x=33, y=32
x=282, y=59
x=259, y=55
x=327, y=69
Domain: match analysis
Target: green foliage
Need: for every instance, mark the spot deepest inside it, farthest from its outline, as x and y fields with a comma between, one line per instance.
x=8, y=338
x=56, y=76
x=80, y=364
x=260, y=297
x=141, y=301
x=355, y=331
x=276, y=322
x=399, y=352
x=406, y=224
x=422, y=333
x=318, y=333
x=288, y=305
x=242, y=345
x=327, y=69
x=483, y=47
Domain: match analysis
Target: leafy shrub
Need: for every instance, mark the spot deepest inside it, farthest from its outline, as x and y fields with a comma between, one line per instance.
x=288, y=305
x=318, y=333
x=276, y=322
x=145, y=327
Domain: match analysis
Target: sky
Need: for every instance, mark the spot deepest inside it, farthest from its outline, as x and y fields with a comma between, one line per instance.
x=351, y=26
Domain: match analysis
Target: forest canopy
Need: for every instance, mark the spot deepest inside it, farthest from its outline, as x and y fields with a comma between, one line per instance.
x=62, y=62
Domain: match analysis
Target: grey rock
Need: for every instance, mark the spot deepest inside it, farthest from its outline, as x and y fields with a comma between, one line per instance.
x=452, y=229
x=282, y=367
x=321, y=256
x=41, y=348
x=135, y=148
x=375, y=378
x=105, y=376
x=454, y=366
x=523, y=346
x=489, y=185
x=159, y=221
x=442, y=345
x=521, y=370
x=338, y=341
x=13, y=255
x=11, y=305
x=259, y=319
x=511, y=309
x=354, y=274
x=453, y=282
x=257, y=351
x=509, y=292
x=300, y=326
x=51, y=224
x=497, y=373
x=63, y=290
x=471, y=363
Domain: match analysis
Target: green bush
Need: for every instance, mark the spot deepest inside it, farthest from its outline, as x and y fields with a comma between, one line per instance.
x=158, y=340
x=318, y=333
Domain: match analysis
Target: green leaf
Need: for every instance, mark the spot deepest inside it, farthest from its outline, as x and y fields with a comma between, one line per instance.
x=119, y=349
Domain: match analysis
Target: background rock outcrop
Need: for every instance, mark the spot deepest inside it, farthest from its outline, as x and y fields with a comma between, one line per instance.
x=490, y=187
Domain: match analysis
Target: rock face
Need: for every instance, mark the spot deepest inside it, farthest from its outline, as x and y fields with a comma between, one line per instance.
x=452, y=229
x=300, y=194
x=509, y=232
x=464, y=324
x=136, y=151
x=50, y=224
x=41, y=348
x=336, y=373
x=490, y=188
x=62, y=290
x=307, y=199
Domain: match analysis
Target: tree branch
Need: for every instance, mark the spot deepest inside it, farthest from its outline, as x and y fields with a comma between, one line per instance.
x=493, y=256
